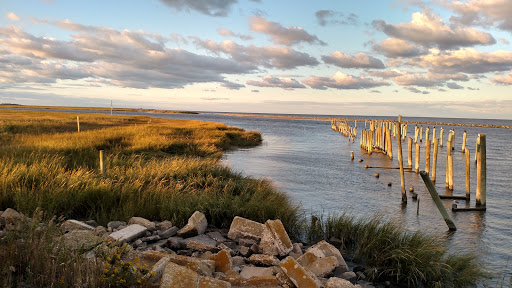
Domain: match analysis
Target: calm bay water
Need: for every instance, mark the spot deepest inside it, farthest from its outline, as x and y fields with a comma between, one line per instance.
x=312, y=164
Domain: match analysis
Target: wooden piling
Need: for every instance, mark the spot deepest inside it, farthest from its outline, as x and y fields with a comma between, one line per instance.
x=481, y=173
x=102, y=167
x=434, y=161
x=416, y=130
x=437, y=201
x=421, y=133
x=464, y=138
x=401, y=163
x=477, y=149
x=409, y=158
x=441, y=137
x=352, y=155
x=434, y=132
x=450, y=175
x=418, y=207
x=452, y=139
x=427, y=156
x=390, y=146
x=417, y=163
x=427, y=134
x=448, y=152
x=466, y=152
x=78, y=122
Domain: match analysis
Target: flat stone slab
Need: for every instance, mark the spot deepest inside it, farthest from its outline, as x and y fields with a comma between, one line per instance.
x=201, y=266
x=209, y=282
x=335, y=282
x=143, y=222
x=177, y=276
x=168, y=232
x=254, y=282
x=262, y=259
x=298, y=274
x=275, y=240
x=245, y=228
x=129, y=233
x=201, y=243
x=251, y=271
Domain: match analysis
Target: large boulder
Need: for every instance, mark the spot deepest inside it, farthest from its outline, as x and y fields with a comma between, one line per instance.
x=244, y=228
x=129, y=233
x=300, y=276
x=196, y=225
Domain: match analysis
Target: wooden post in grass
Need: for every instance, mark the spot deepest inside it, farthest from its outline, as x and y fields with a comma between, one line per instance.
x=102, y=167
x=466, y=152
x=417, y=163
x=110, y=107
x=481, y=173
x=434, y=161
x=437, y=200
x=400, y=161
x=78, y=122
x=427, y=155
x=464, y=138
x=409, y=158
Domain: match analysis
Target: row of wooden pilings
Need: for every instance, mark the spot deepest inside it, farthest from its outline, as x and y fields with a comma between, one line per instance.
x=378, y=135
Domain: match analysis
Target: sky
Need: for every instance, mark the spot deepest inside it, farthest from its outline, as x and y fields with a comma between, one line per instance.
x=375, y=57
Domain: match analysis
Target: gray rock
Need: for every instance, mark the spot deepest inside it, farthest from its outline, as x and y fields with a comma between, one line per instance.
x=216, y=236
x=168, y=232
x=92, y=223
x=349, y=276
x=201, y=243
x=164, y=225
x=238, y=261
x=251, y=271
x=176, y=243
x=129, y=233
x=143, y=222
x=99, y=231
x=245, y=251
x=365, y=284
x=223, y=246
x=247, y=242
x=150, y=239
x=77, y=239
x=115, y=224
x=71, y=224
x=196, y=225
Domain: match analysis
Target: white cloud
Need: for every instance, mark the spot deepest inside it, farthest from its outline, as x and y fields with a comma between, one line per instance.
x=429, y=30
x=13, y=17
x=359, y=60
x=429, y=79
x=282, y=35
x=226, y=32
x=271, y=81
x=393, y=47
x=341, y=80
x=505, y=80
x=267, y=56
x=483, y=12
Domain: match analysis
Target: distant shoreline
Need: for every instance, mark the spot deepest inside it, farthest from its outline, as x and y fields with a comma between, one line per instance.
x=250, y=115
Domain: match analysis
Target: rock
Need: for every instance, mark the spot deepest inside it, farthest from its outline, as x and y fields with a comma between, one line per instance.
x=175, y=275
x=275, y=240
x=11, y=217
x=143, y=222
x=223, y=246
x=69, y=225
x=77, y=239
x=349, y=276
x=283, y=279
x=201, y=243
x=201, y=266
x=245, y=228
x=245, y=251
x=164, y=225
x=150, y=239
x=297, y=248
x=335, y=282
x=115, y=224
x=92, y=223
x=319, y=266
x=237, y=281
x=176, y=242
x=238, y=261
x=223, y=262
x=157, y=269
x=208, y=282
x=247, y=242
x=251, y=271
x=196, y=225
x=262, y=259
x=255, y=248
x=129, y=233
x=99, y=231
x=168, y=232
x=298, y=274
x=323, y=249
x=215, y=235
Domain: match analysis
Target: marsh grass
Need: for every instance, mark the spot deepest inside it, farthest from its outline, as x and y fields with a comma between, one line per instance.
x=413, y=258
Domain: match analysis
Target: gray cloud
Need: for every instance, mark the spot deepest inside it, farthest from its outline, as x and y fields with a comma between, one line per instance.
x=504, y=80
x=384, y=74
x=232, y=85
x=267, y=56
x=429, y=30
x=341, y=80
x=453, y=85
x=325, y=17
x=270, y=81
x=429, y=79
x=359, y=60
x=212, y=8
x=494, y=13
x=283, y=35
x=393, y=47
x=416, y=90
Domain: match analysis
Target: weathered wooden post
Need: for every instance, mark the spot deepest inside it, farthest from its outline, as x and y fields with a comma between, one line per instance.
x=434, y=162
x=351, y=155
x=450, y=165
x=409, y=158
x=401, y=163
x=417, y=164
x=452, y=139
x=427, y=156
x=416, y=130
x=441, y=137
x=437, y=200
x=448, y=152
x=434, y=132
x=421, y=133
x=464, y=138
x=466, y=152
x=78, y=122
x=110, y=107
x=427, y=134
x=390, y=146
x=102, y=168
x=477, y=150
x=481, y=173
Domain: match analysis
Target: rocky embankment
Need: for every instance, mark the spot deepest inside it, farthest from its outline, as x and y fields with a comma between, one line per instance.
x=250, y=254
